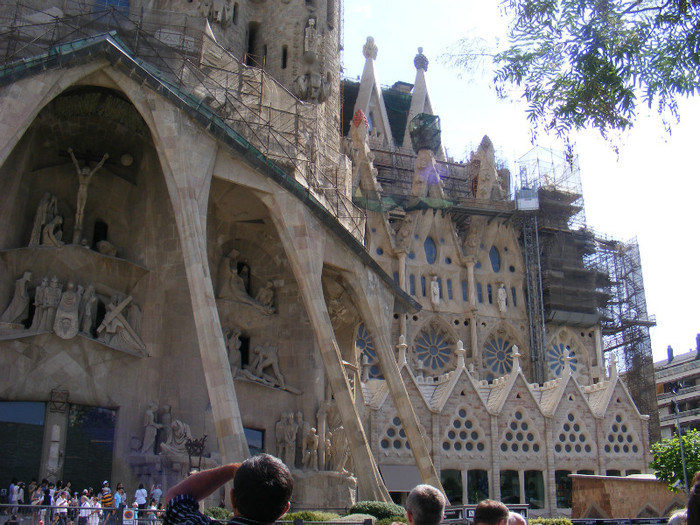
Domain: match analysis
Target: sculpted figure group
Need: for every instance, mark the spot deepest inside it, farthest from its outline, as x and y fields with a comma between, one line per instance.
x=72, y=310
x=299, y=445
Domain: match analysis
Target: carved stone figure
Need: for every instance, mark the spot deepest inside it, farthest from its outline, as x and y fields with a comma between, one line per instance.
x=66, y=324
x=52, y=233
x=266, y=296
x=264, y=358
x=150, y=429
x=88, y=313
x=434, y=291
x=176, y=446
x=502, y=298
x=279, y=436
x=303, y=428
x=45, y=212
x=116, y=330
x=233, y=345
x=290, y=439
x=52, y=296
x=165, y=431
x=18, y=309
x=311, y=37
x=84, y=176
x=340, y=453
x=39, y=307
x=310, y=450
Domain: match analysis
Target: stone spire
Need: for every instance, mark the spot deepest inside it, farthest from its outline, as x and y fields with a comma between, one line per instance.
x=370, y=99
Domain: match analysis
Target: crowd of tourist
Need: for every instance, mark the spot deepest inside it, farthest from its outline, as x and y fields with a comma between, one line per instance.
x=60, y=504
x=262, y=488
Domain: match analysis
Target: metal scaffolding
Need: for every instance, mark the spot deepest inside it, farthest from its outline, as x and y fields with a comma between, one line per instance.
x=177, y=48
x=626, y=322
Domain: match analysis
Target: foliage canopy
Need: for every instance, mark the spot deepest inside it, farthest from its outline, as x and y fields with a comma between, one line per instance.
x=667, y=458
x=585, y=63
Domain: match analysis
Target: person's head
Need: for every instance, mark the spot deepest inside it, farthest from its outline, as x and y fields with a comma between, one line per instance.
x=425, y=506
x=262, y=488
x=678, y=518
x=516, y=519
x=140, y=486
x=490, y=512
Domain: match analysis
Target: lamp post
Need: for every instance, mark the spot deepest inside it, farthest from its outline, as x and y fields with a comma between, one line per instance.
x=675, y=387
x=195, y=448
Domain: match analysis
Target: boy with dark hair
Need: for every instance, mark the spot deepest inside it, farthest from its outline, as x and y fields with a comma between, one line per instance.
x=491, y=512
x=262, y=487
x=425, y=506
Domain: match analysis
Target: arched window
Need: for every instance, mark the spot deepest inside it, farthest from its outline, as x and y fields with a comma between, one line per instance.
x=430, y=250
x=412, y=284
x=489, y=293
x=479, y=295
x=495, y=259
x=284, y=57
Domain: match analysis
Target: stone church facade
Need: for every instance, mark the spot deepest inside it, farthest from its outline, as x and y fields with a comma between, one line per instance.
x=190, y=247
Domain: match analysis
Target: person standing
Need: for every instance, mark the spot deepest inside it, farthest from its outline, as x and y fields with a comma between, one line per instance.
x=140, y=498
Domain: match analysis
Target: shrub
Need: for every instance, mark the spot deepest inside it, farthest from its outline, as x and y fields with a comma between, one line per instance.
x=378, y=509
x=310, y=515
x=389, y=521
x=355, y=518
x=217, y=513
x=549, y=521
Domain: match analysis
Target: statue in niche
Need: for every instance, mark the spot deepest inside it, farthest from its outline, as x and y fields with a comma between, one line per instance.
x=116, y=331
x=310, y=450
x=151, y=427
x=434, y=291
x=39, y=307
x=266, y=296
x=18, y=309
x=327, y=445
x=310, y=85
x=233, y=345
x=311, y=37
x=52, y=233
x=84, y=176
x=176, y=445
x=65, y=323
x=502, y=298
x=52, y=296
x=88, y=311
x=265, y=358
x=45, y=212
x=234, y=284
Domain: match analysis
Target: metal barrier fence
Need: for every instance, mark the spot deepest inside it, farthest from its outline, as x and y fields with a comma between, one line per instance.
x=33, y=514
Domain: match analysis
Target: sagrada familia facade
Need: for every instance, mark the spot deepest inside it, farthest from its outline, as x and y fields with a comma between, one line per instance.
x=213, y=245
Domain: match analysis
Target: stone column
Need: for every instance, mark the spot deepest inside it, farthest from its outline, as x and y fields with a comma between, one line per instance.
x=404, y=287
x=304, y=239
x=375, y=300
x=187, y=158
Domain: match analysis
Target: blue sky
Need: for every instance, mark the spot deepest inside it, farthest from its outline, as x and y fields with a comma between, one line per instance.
x=648, y=191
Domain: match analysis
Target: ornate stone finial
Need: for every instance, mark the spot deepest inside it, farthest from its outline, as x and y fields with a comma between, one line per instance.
x=370, y=49
x=471, y=368
x=460, y=351
x=567, y=361
x=516, y=359
x=359, y=118
x=421, y=61
x=612, y=369
x=402, y=350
